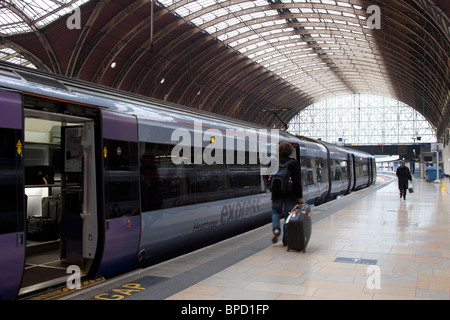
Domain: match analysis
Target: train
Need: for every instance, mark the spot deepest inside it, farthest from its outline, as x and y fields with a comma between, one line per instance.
x=109, y=181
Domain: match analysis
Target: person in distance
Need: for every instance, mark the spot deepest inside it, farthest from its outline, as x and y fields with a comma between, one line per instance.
x=403, y=175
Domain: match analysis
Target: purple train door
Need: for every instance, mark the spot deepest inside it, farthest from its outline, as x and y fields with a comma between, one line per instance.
x=12, y=213
x=122, y=218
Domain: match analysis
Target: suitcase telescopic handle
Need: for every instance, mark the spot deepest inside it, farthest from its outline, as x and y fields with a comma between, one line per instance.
x=294, y=208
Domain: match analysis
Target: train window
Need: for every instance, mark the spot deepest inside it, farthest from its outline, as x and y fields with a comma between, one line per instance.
x=120, y=155
x=344, y=169
x=212, y=183
x=365, y=169
x=121, y=178
x=167, y=182
x=323, y=166
x=361, y=169
x=245, y=180
x=358, y=171
x=318, y=171
x=338, y=170
x=313, y=170
x=164, y=184
x=306, y=171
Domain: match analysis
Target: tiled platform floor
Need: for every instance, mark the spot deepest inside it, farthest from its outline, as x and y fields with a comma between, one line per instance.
x=409, y=239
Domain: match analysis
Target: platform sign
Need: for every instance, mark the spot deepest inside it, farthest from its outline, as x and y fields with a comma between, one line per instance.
x=436, y=147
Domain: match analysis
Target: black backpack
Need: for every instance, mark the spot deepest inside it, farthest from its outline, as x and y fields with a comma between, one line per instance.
x=281, y=182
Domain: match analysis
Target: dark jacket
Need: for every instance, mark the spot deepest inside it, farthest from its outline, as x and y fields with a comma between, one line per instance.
x=403, y=175
x=294, y=169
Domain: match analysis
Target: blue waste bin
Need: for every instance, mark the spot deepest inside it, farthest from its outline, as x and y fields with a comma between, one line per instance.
x=432, y=173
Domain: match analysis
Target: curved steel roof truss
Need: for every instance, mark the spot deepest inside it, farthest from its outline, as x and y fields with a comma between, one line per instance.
x=262, y=61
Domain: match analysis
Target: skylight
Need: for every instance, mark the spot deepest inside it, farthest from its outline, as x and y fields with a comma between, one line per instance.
x=270, y=33
x=286, y=37
x=21, y=16
x=24, y=16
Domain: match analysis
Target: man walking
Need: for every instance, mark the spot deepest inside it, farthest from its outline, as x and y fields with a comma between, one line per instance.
x=403, y=175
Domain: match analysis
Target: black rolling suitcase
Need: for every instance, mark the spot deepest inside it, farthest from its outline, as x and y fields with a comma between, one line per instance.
x=299, y=227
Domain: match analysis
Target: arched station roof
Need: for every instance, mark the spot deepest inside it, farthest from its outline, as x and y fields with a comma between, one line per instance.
x=261, y=61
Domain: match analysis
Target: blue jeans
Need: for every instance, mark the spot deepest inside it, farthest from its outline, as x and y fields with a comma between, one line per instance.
x=280, y=209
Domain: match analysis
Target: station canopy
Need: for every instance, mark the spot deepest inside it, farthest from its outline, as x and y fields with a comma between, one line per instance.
x=261, y=61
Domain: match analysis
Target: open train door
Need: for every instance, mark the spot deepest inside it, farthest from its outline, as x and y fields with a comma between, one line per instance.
x=12, y=204
x=121, y=204
x=89, y=206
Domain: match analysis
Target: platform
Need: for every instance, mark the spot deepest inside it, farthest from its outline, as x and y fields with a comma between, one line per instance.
x=369, y=245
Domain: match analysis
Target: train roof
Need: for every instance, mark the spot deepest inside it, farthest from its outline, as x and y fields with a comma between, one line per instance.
x=54, y=86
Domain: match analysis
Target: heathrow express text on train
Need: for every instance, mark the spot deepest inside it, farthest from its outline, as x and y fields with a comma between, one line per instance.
x=260, y=145
x=230, y=212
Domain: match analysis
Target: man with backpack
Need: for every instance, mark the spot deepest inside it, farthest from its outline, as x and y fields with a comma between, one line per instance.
x=286, y=189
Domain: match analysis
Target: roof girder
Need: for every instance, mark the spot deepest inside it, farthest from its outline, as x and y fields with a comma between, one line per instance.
x=407, y=59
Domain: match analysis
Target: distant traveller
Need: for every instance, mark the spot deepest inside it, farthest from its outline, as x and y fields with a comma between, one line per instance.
x=403, y=175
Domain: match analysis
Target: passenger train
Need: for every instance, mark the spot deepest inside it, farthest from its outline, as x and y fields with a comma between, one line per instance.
x=110, y=181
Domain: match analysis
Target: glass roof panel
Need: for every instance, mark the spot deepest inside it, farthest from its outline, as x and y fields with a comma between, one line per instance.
x=288, y=37
x=10, y=55
x=24, y=16
x=14, y=14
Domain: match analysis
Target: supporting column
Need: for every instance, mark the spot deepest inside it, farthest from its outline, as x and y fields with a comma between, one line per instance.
x=446, y=156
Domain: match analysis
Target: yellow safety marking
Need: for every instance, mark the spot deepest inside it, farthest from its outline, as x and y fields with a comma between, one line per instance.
x=105, y=152
x=19, y=147
x=120, y=293
x=52, y=295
